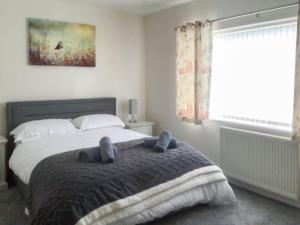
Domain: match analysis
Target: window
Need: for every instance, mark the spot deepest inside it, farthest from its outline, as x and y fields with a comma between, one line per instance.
x=253, y=74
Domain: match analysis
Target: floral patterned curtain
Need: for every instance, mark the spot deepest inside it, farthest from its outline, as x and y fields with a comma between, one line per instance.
x=194, y=51
x=296, y=117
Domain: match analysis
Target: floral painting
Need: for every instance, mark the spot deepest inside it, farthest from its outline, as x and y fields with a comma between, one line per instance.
x=61, y=44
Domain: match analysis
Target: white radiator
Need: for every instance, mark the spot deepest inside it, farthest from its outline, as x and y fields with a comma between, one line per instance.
x=267, y=162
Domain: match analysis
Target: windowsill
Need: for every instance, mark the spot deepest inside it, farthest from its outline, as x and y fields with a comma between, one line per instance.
x=269, y=130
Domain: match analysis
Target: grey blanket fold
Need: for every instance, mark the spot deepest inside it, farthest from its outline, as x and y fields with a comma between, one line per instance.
x=150, y=142
x=93, y=154
x=63, y=189
x=163, y=141
x=106, y=150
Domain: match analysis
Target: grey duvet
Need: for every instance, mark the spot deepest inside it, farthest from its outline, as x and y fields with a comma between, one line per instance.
x=62, y=189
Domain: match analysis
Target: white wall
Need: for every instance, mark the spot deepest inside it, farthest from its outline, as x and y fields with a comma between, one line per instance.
x=161, y=67
x=120, y=56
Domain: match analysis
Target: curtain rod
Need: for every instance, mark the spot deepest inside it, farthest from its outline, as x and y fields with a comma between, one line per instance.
x=251, y=13
x=257, y=12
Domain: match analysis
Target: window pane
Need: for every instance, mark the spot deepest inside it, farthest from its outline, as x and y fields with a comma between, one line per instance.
x=253, y=74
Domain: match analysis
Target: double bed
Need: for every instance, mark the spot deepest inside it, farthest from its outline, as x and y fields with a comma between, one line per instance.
x=140, y=186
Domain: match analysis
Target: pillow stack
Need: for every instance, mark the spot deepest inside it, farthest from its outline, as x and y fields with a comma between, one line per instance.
x=96, y=121
x=42, y=128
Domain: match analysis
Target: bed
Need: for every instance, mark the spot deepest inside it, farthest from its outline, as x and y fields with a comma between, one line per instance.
x=141, y=186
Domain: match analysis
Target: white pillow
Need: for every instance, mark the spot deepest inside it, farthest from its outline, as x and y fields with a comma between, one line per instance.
x=95, y=121
x=40, y=128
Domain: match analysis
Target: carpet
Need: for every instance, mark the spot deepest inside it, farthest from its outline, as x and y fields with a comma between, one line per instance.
x=250, y=209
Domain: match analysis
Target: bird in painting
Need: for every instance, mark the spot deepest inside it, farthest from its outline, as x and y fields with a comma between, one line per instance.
x=59, y=45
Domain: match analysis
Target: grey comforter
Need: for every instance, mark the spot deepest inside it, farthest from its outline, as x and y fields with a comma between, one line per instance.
x=62, y=189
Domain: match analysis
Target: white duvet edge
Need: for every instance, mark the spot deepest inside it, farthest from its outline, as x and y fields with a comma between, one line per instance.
x=218, y=192
x=207, y=184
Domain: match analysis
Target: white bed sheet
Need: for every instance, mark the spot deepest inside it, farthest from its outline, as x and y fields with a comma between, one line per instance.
x=28, y=154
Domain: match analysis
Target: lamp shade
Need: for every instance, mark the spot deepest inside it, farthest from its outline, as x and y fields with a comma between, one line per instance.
x=133, y=106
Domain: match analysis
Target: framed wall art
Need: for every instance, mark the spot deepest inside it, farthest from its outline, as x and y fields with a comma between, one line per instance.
x=56, y=43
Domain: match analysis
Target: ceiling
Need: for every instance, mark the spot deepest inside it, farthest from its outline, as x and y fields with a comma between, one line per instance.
x=140, y=7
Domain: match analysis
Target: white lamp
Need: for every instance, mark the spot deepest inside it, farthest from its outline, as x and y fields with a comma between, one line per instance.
x=133, y=109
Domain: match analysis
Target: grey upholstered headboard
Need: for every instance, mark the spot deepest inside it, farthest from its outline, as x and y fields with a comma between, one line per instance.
x=20, y=112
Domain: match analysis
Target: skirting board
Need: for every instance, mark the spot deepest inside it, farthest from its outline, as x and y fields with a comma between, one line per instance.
x=263, y=192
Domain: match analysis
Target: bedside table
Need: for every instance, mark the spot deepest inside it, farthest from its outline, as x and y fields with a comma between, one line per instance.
x=3, y=184
x=143, y=127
